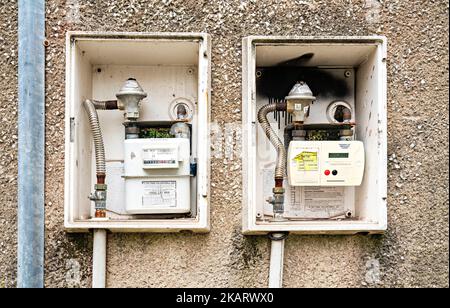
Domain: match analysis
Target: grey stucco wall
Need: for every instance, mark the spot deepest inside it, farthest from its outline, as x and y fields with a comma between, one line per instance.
x=414, y=251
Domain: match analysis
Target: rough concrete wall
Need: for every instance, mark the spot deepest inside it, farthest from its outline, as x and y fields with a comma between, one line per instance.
x=8, y=142
x=413, y=253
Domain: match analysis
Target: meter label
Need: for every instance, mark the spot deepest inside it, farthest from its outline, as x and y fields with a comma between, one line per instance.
x=159, y=194
x=307, y=161
x=160, y=156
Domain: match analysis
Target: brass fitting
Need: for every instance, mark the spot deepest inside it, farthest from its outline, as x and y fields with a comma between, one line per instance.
x=277, y=201
x=99, y=198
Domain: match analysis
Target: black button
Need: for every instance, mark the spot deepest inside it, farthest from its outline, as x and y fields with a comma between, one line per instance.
x=334, y=172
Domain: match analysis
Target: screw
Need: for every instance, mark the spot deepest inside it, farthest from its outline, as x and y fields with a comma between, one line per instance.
x=348, y=74
x=258, y=74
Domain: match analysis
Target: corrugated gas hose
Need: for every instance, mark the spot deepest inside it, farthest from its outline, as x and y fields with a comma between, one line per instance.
x=96, y=135
x=280, y=169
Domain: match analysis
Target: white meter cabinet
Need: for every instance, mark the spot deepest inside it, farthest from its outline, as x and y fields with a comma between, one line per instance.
x=337, y=83
x=153, y=185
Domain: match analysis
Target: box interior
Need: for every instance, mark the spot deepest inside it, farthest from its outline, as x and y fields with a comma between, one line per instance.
x=363, y=60
x=166, y=69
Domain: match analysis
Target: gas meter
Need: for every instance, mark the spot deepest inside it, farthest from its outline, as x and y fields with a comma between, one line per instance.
x=325, y=163
x=157, y=158
x=157, y=173
x=314, y=154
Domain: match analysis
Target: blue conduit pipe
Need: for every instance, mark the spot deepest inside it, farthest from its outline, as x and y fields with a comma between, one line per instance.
x=31, y=127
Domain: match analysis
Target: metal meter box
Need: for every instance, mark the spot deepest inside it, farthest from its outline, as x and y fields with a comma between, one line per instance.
x=154, y=183
x=336, y=180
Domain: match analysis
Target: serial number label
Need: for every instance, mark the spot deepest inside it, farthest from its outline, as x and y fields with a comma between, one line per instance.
x=226, y=298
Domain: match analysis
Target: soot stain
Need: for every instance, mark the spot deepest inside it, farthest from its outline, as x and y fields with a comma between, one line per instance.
x=246, y=250
x=276, y=81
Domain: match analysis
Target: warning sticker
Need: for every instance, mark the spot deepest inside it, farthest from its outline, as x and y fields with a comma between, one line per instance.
x=309, y=202
x=324, y=199
x=316, y=202
x=159, y=194
x=307, y=161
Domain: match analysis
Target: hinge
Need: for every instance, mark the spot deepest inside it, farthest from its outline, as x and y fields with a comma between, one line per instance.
x=72, y=129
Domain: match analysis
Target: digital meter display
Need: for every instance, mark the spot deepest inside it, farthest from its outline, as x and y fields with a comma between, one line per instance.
x=337, y=155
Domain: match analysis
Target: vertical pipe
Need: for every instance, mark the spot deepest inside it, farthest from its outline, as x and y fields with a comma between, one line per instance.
x=99, y=259
x=276, y=260
x=31, y=130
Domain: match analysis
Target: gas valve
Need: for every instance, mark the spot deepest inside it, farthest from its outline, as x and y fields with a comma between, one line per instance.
x=99, y=199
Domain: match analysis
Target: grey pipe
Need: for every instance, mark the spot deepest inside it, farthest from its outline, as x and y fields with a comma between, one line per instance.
x=105, y=105
x=280, y=169
x=96, y=135
x=31, y=130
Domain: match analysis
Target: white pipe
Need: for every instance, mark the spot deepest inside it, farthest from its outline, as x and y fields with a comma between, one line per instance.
x=276, y=262
x=99, y=259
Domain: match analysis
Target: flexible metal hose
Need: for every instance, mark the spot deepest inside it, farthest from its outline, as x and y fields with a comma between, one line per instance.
x=280, y=169
x=97, y=136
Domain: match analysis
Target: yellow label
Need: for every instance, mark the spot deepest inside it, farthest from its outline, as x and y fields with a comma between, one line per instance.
x=307, y=161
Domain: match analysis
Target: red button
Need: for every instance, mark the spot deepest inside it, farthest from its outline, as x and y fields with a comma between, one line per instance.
x=327, y=172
